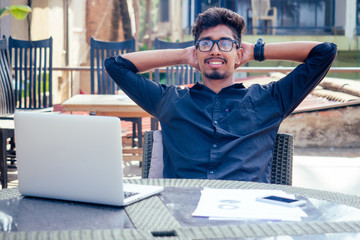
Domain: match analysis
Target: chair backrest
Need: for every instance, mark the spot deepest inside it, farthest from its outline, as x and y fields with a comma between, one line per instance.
x=7, y=97
x=101, y=83
x=181, y=74
x=260, y=7
x=32, y=61
x=282, y=163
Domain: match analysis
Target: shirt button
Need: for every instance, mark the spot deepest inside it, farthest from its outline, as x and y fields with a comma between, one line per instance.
x=214, y=145
x=215, y=122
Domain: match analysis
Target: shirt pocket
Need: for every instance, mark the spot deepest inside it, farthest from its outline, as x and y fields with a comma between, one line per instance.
x=241, y=118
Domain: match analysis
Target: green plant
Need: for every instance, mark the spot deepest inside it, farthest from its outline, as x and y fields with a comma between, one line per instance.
x=18, y=11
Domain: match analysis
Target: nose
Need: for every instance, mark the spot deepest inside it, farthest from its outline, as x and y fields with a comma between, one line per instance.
x=215, y=49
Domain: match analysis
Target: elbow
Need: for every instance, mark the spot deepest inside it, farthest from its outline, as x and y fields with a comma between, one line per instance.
x=108, y=62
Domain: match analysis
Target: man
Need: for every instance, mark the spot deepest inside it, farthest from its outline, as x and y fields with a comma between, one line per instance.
x=218, y=129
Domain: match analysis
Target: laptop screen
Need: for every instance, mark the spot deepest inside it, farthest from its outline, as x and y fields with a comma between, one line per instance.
x=71, y=157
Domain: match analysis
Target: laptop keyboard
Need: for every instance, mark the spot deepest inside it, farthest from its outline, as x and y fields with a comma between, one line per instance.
x=129, y=194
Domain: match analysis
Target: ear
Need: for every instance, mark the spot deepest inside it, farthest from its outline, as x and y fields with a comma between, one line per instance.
x=238, y=58
x=239, y=55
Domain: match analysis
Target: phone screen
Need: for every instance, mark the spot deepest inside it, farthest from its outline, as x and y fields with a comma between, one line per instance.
x=286, y=200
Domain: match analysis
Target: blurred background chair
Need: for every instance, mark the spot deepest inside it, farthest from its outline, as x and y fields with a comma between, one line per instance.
x=7, y=109
x=281, y=169
x=101, y=82
x=29, y=89
x=180, y=74
x=32, y=61
x=176, y=75
x=261, y=11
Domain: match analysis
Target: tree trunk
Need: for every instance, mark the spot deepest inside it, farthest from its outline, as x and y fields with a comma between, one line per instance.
x=28, y=18
x=148, y=23
x=137, y=23
x=115, y=21
x=125, y=17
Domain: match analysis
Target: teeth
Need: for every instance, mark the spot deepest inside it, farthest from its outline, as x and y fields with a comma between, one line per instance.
x=217, y=63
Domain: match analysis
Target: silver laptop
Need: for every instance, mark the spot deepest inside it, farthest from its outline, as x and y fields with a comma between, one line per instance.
x=73, y=157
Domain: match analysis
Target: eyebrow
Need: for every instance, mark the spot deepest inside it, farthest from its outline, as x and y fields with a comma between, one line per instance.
x=223, y=38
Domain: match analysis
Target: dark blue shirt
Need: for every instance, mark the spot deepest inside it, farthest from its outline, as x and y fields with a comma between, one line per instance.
x=229, y=135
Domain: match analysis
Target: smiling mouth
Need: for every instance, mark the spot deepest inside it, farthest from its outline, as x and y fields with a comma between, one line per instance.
x=215, y=62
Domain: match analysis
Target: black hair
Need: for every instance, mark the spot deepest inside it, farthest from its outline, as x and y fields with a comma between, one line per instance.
x=216, y=16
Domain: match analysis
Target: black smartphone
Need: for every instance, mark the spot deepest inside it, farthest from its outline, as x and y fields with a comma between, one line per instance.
x=288, y=202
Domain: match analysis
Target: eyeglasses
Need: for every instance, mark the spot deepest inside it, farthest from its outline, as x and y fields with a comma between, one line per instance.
x=225, y=45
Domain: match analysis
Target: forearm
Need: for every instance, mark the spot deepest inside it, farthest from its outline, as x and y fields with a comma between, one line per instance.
x=288, y=51
x=147, y=60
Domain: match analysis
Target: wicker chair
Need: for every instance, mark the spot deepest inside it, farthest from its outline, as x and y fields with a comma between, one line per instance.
x=281, y=169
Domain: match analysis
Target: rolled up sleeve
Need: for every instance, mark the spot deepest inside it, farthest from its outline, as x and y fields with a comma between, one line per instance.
x=293, y=88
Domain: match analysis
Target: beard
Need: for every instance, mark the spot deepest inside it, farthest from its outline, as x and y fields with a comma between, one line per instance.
x=215, y=75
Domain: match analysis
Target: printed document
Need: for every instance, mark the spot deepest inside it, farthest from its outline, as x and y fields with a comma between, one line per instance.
x=241, y=204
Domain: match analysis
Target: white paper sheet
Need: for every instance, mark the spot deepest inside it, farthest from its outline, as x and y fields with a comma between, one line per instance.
x=241, y=204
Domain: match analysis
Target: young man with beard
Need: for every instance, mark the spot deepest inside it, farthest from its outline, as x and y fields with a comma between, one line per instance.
x=220, y=129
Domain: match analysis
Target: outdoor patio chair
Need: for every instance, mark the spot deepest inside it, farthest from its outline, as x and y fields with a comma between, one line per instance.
x=180, y=74
x=176, y=75
x=261, y=11
x=32, y=91
x=32, y=61
x=7, y=109
x=281, y=169
x=101, y=82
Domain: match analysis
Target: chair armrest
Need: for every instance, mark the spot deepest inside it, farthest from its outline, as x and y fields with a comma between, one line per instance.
x=272, y=11
x=147, y=152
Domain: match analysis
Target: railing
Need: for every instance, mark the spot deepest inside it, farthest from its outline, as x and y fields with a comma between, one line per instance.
x=240, y=69
x=71, y=70
x=289, y=69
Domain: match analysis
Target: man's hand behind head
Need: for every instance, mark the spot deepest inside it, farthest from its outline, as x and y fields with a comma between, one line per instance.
x=247, y=54
x=191, y=57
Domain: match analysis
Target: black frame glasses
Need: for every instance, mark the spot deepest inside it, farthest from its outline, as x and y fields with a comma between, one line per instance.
x=223, y=44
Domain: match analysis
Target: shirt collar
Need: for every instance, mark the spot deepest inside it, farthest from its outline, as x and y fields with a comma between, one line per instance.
x=199, y=86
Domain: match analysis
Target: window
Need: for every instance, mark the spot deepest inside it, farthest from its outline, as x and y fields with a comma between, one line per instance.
x=305, y=17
